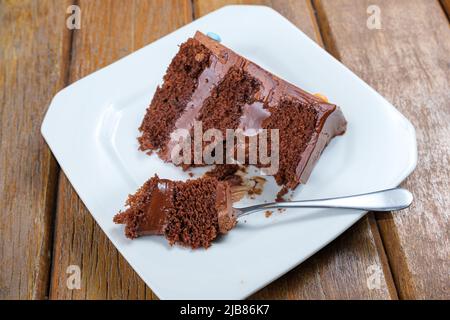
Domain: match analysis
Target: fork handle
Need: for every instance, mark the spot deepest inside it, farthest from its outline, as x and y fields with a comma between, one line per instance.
x=384, y=200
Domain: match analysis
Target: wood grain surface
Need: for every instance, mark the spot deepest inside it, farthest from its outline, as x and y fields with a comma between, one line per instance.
x=408, y=62
x=45, y=228
x=109, y=30
x=32, y=70
x=299, y=12
x=342, y=270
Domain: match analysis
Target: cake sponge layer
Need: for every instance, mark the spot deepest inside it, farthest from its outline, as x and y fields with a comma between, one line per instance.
x=171, y=99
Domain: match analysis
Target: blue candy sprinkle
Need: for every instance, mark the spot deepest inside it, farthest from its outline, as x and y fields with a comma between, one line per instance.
x=214, y=36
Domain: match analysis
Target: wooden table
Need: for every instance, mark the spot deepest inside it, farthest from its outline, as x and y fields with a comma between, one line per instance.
x=44, y=226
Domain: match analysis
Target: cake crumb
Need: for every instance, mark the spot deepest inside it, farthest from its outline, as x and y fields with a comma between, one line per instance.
x=281, y=210
x=280, y=194
x=268, y=213
x=199, y=57
x=190, y=174
x=258, y=186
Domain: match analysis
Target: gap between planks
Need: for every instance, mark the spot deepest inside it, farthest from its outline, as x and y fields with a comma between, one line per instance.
x=67, y=61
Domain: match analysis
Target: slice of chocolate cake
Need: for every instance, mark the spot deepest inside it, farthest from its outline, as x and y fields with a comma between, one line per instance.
x=210, y=83
x=192, y=213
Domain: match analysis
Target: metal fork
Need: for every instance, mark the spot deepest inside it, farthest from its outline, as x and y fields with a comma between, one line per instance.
x=384, y=200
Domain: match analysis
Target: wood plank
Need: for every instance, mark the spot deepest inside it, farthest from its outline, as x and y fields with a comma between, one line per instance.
x=408, y=62
x=341, y=270
x=110, y=29
x=33, y=56
x=299, y=12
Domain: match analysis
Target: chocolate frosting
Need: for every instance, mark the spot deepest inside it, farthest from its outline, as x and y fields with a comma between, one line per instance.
x=154, y=220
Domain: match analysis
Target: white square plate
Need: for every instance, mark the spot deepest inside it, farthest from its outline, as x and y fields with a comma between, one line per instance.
x=91, y=127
